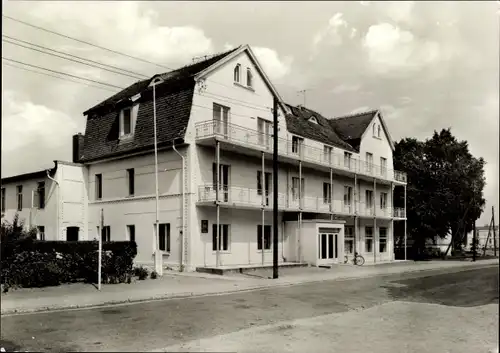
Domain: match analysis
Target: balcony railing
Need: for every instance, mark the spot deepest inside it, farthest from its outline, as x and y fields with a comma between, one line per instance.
x=399, y=213
x=244, y=196
x=262, y=141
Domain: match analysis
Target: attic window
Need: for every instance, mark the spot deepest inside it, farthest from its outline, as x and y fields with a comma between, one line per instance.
x=378, y=131
x=313, y=120
x=237, y=73
x=374, y=128
x=127, y=119
x=249, y=78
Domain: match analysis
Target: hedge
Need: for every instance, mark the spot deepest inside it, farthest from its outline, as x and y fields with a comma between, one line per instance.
x=28, y=262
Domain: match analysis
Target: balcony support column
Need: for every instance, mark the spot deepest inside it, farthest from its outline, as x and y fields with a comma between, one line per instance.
x=374, y=203
x=355, y=212
x=217, y=206
x=392, y=221
x=263, y=190
x=404, y=210
x=300, y=236
x=331, y=193
x=300, y=185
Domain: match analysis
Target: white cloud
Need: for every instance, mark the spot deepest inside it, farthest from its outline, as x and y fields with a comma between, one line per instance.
x=399, y=11
x=274, y=66
x=390, y=48
x=123, y=27
x=360, y=110
x=24, y=123
x=333, y=32
x=345, y=88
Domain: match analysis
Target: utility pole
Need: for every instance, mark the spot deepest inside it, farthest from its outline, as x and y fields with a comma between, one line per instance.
x=494, y=231
x=99, y=252
x=275, y=190
x=474, y=241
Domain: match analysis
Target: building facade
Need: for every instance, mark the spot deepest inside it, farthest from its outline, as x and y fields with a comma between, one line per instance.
x=214, y=124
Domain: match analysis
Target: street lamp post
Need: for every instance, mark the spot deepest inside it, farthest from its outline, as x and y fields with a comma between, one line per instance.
x=157, y=255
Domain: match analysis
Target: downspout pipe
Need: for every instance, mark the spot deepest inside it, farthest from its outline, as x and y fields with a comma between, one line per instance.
x=183, y=240
x=58, y=201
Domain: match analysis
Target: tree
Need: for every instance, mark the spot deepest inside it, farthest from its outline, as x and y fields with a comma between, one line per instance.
x=445, y=187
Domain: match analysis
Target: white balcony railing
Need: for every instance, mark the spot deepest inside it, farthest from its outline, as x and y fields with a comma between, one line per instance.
x=399, y=213
x=253, y=198
x=261, y=141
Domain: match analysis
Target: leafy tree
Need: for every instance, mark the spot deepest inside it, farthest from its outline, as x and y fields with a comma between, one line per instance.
x=444, y=190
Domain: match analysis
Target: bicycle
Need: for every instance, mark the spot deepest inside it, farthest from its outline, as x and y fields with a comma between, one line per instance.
x=356, y=260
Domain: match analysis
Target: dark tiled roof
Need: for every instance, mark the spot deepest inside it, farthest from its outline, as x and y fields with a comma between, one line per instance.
x=33, y=175
x=173, y=98
x=350, y=128
x=298, y=123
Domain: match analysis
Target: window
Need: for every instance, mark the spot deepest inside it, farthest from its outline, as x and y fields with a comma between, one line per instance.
x=237, y=73
x=98, y=186
x=378, y=131
x=249, y=78
x=369, y=199
x=383, y=200
x=267, y=182
x=295, y=188
x=106, y=233
x=369, y=162
x=349, y=240
x=267, y=237
x=347, y=160
x=383, y=166
x=313, y=120
x=327, y=193
x=3, y=199
x=327, y=154
x=374, y=129
x=41, y=194
x=221, y=119
x=131, y=181
x=382, y=240
x=40, y=232
x=297, y=144
x=126, y=122
x=223, y=237
x=131, y=232
x=164, y=237
x=368, y=239
x=347, y=195
x=19, y=195
x=264, y=129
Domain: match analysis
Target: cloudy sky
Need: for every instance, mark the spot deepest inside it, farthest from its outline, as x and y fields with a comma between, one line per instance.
x=426, y=65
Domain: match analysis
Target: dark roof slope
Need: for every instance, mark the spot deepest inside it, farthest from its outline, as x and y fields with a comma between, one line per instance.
x=298, y=123
x=173, y=108
x=351, y=127
x=33, y=175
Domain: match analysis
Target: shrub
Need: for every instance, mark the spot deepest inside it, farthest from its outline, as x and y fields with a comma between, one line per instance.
x=154, y=275
x=28, y=262
x=141, y=272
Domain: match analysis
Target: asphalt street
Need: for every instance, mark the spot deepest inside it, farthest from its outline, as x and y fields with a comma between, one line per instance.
x=150, y=326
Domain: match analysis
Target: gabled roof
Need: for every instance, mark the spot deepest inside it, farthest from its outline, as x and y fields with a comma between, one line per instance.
x=298, y=123
x=351, y=127
x=174, y=97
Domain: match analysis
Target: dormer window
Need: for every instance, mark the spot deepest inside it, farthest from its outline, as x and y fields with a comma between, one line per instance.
x=313, y=120
x=127, y=120
x=249, y=78
x=237, y=73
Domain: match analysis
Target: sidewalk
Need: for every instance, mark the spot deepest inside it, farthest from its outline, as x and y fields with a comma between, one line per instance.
x=182, y=285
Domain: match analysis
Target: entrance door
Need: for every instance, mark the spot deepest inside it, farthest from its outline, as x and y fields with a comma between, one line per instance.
x=72, y=233
x=328, y=243
x=267, y=185
x=221, y=120
x=224, y=181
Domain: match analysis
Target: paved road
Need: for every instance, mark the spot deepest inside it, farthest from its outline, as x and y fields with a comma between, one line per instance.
x=149, y=326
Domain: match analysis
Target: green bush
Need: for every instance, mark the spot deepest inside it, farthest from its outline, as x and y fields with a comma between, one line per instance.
x=27, y=262
x=141, y=272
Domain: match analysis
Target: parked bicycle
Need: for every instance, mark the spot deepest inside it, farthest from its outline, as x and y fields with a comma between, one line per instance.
x=356, y=260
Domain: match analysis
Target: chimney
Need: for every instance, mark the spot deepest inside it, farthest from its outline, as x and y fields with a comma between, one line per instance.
x=77, y=147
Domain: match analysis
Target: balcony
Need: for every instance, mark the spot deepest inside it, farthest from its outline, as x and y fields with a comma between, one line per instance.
x=238, y=196
x=259, y=141
x=399, y=213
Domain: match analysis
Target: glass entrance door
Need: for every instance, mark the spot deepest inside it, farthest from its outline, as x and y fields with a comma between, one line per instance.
x=328, y=246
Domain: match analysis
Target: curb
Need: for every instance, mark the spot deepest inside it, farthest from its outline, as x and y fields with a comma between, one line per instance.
x=185, y=295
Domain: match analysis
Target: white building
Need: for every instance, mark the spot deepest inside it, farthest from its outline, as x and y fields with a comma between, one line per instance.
x=336, y=179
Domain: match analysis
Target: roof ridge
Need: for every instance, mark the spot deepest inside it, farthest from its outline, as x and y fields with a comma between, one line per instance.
x=352, y=115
